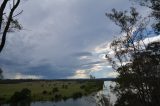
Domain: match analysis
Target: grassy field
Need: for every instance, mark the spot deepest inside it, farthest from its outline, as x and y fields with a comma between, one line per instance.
x=50, y=90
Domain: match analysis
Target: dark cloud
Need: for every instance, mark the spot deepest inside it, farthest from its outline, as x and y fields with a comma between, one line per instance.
x=49, y=72
x=82, y=54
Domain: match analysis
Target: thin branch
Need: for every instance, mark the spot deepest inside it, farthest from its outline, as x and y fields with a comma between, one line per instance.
x=18, y=13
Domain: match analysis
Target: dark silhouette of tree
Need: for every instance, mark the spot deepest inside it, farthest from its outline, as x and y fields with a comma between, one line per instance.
x=136, y=62
x=139, y=81
x=1, y=73
x=8, y=22
x=125, y=46
x=91, y=77
x=22, y=98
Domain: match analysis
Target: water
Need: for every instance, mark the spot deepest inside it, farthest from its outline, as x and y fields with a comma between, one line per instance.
x=95, y=99
x=84, y=101
x=70, y=102
x=107, y=91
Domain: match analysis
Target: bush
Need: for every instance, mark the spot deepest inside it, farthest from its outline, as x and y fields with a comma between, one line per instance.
x=44, y=92
x=50, y=93
x=64, y=98
x=21, y=97
x=77, y=95
x=65, y=86
x=58, y=97
x=55, y=90
x=82, y=86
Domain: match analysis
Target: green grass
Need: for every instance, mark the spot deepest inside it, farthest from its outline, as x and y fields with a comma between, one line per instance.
x=38, y=87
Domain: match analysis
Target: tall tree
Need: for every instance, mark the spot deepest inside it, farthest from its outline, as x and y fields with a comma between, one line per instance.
x=136, y=61
x=7, y=20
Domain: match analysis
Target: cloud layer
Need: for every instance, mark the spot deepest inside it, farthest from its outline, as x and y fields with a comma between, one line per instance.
x=60, y=39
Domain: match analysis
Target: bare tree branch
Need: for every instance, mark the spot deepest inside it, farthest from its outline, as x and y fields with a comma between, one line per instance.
x=9, y=20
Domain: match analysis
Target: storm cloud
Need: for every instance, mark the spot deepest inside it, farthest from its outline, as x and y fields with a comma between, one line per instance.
x=59, y=39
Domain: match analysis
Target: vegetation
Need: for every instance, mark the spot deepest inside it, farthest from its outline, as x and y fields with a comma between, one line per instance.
x=1, y=74
x=137, y=62
x=50, y=91
x=77, y=95
x=22, y=97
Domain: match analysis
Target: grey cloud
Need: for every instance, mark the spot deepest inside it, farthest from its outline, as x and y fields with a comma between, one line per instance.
x=55, y=33
x=82, y=54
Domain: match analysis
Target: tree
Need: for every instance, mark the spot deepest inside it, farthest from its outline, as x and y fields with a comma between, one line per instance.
x=139, y=81
x=7, y=20
x=91, y=77
x=1, y=75
x=22, y=98
x=136, y=61
x=125, y=46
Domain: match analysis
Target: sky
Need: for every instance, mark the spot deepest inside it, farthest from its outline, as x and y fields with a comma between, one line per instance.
x=62, y=39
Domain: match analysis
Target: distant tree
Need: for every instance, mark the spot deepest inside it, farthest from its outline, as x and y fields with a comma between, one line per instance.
x=8, y=21
x=44, y=92
x=137, y=62
x=54, y=90
x=58, y=97
x=22, y=97
x=92, y=77
x=77, y=95
x=65, y=86
x=1, y=73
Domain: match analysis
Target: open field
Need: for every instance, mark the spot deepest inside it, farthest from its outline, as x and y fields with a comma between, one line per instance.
x=47, y=90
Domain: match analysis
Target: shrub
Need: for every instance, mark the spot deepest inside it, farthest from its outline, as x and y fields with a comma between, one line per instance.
x=44, y=92
x=21, y=97
x=64, y=98
x=77, y=95
x=65, y=86
x=42, y=85
x=55, y=90
x=82, y=86
x=58, y=97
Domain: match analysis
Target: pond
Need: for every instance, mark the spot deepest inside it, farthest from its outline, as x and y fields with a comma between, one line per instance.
x=98, y=98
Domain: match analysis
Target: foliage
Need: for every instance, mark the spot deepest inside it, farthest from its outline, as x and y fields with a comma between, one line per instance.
x=92, y=77
x=44, y=92
x=77, y=95
x=8, y=87
x=136, y=61
x=128, y=44
x=24, y=96
x=58, y=97
x=1, y=72
x=139, y=81
x=54, y=90
x=83, y=86
x=64, y=86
